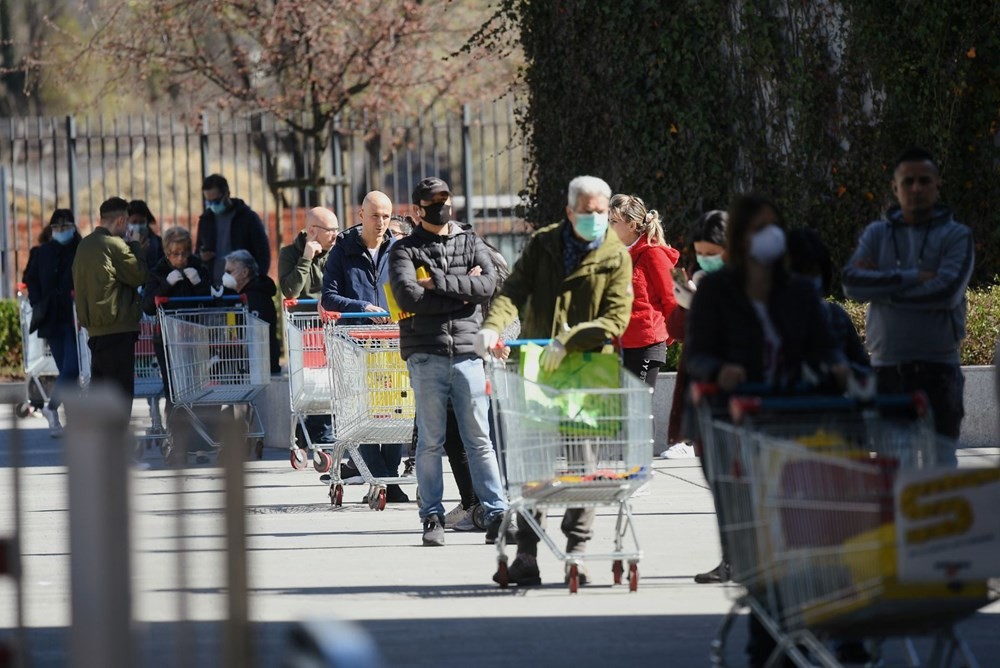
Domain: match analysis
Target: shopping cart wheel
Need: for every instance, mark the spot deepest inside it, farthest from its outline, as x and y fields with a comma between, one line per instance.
x=573, y=578
x=257, y=448
x=479, y=516
x=337, y=495
x=617, y=569
x=633, y=576
x=501, y=577
x=322, y=462
x=298, y=459
x=22, y=410
x=381, y=499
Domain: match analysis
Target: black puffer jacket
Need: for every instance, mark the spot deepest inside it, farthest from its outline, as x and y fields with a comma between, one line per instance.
x=260, y=293
x=447, y=317
x=157, y=285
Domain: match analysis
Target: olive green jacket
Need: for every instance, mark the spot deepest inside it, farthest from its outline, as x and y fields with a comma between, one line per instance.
x=581, y=310
x=107, y=273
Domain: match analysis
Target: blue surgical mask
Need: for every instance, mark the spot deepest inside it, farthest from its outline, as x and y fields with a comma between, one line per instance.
x=63, y=236
x=710, y=263
x=591, y=226
x=137, y=229
x=216, y=207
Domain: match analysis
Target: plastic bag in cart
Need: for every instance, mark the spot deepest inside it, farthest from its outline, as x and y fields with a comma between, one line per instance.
x=587, y=413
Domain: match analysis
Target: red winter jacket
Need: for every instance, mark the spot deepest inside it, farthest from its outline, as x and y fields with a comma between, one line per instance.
x=654, y=294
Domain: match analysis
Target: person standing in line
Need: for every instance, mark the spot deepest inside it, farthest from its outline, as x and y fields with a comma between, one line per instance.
x=107, y=272
x=573, y=284
x=49, y=277
x=300, y=263
x=227, y=225
x=913, y=268
x=442, y=273
x=140, y=228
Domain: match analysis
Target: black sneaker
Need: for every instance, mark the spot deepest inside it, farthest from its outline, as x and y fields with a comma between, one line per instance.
x=717, y=575
x=433, y=531
x=408, y=467
x=395, y=494
x=493, y=530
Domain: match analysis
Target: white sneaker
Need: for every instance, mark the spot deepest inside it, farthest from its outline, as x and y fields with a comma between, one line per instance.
x=466, y=523
x=55, y=429
x=454, y=516
x=678, y=451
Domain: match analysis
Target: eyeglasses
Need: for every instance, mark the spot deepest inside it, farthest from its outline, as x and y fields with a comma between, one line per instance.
x=180, y=253
x=327, y=229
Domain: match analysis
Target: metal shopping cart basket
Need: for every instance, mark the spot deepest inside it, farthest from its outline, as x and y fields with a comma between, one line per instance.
x=808, y=493
x=217, y=355
x=309, y=389
x=371, y=397
x=40, y=370
x=573, y=448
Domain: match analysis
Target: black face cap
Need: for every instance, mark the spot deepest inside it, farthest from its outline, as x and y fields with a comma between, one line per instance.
x=428, y=188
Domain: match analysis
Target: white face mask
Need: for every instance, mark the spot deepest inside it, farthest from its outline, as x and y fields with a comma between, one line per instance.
x=767, y=245
x=228, y=281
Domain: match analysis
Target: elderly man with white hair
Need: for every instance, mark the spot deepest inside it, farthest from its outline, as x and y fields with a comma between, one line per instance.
x=572, y=285
x=242, y=276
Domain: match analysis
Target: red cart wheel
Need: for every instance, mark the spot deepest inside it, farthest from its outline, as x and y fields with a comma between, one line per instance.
x=502, y=578
x=381, y=499
x=337, y=495
x=298, y=459
x=617, y=569
x=322, y=462
x=633, y=577
x=574, y=579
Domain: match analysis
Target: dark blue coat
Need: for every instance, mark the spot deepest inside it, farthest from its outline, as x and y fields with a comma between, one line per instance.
x=351, y=280
x=49, y=277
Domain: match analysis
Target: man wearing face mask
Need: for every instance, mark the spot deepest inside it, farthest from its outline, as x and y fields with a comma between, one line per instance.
x=107, y=273
x=573, y=283
x=228, y=224
x=243, y=277
x=442, y=273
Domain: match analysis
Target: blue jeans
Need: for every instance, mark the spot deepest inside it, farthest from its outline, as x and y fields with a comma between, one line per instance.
x=435, y=379
x=63, y=347
x=382, y=460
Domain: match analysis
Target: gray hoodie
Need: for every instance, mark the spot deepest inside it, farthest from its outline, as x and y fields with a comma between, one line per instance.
x=910, y=321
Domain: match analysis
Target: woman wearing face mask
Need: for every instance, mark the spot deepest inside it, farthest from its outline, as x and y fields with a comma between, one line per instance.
x=140, y=228
x=645, y=341
x=752, y=322
x=49, y=278
x=241, y=277
x=179, y=274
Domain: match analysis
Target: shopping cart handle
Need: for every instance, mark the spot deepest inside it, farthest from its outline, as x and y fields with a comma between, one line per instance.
x=514, y=343
x=300, y=302
x=337, y=315
x=160, y=301
x=22, y=286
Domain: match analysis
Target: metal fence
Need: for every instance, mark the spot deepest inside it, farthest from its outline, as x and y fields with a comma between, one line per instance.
x=78, y=162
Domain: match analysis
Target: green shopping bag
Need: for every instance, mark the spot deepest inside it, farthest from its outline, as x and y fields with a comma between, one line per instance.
x=585, y=413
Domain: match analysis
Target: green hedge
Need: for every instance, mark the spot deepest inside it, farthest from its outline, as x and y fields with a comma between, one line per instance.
x=10, y=339
x=686, y=103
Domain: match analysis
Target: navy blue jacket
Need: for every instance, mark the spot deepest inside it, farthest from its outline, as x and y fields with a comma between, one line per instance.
x=49, y=277
x=351, y=280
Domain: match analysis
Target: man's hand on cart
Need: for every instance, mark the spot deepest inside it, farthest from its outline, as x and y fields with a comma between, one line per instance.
x=730, y=376
x=192, y=275
x=378, y=309
x=486, y=342
x=552, y=355
x=175, y=277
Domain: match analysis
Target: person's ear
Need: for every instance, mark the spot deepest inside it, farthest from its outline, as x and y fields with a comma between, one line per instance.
x=571, y=214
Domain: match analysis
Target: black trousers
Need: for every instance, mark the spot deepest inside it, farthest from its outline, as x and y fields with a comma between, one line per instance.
x=112, y=360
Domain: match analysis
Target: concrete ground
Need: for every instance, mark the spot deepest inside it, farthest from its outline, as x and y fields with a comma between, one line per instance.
x=422, y=606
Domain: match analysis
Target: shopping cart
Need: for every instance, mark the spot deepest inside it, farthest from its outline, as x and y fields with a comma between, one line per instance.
x=40, y=370
x=807, y=516
x=148, y=381
x=217, y=355
x=573, y=448
x=371, y=397
x=309, y=389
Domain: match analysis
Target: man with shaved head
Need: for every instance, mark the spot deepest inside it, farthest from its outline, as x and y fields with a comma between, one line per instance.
x=354, y=282
x=300, y=263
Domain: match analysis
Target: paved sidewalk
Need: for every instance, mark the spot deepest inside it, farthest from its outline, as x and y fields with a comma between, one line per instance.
x=424, y=606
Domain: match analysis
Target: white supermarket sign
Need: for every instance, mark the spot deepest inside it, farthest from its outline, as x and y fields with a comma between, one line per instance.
x=948, y=524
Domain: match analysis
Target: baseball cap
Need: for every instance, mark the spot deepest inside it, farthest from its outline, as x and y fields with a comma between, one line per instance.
x=429, y=187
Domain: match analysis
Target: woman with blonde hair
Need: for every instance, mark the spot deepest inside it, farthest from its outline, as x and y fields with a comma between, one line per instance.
x=645, y=341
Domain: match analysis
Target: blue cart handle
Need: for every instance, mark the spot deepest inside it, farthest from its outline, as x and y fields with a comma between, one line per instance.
x=200, y=299
x=514, y=343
